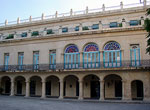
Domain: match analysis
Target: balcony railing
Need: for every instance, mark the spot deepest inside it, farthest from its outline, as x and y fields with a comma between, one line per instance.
x=60, y=66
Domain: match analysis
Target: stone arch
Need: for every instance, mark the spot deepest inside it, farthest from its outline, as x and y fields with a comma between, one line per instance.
x=20, y=85
x=35, y=85
x=52, y=86
x=113, y=86
x=91, y=85
x=71, y=86
x=137, y=90
x=90, y=44
x=6, y=84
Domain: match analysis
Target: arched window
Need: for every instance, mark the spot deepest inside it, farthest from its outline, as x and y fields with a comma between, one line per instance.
x=71, y=57
x=91, y=56
x=71, y=49
x=135, y=54
x=112, y=54
x=91, y=47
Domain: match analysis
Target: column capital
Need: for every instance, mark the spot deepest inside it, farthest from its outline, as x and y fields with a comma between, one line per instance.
x=101, y=81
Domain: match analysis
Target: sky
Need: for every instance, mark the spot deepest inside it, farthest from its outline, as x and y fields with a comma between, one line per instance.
x=12, y=9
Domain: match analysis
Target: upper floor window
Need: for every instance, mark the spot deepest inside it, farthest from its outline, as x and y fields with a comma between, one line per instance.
x=36, y=60
x=112, y=55
x=64, y=29
x=10, y=36
x=52, y=59
x=95, y=26
x=35, y=33
x=49, y=31
x=135, y=54
x=113, y=24
x=24, y=34
x=76, y=28
x=91, y=56
x=71, y=57
x=6, y=60
x=20, y=60
x=134, y=22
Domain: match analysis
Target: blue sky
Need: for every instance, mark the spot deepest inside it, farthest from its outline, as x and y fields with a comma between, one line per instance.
x=11, y=9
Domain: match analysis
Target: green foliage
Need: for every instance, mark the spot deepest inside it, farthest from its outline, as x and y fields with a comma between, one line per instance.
x=147, y=28
x=120, y=24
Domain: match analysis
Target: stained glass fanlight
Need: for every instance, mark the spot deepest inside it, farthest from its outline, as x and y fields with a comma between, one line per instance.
x=91, y=47
x=71, y=49
x=112, y=46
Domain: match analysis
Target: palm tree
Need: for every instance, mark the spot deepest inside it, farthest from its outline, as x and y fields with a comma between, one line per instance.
x=147, y=28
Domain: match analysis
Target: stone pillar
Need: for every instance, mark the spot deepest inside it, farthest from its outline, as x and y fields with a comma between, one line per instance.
x=101, y=90
x=81, y=90
x=142, y=20
x=12, y=87
x=121, y=5
x=103, y=7
x=43, y=89
x=80, y=27
x=126, y=90
x=27, y=89
x=61, y=89
x=123, y=23
x=100, y=25
x=146, y=91
x=60, y=30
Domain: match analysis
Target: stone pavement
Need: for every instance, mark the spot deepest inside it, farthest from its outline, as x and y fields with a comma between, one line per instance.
x=21, y=103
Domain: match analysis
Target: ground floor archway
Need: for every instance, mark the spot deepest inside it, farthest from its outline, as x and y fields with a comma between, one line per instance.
x=71, y=87
x=35, y=86
x=91, y=87
x=137, y=90
x=6, y=85
x=52, y=86
x=20, y=86
x=113, y=87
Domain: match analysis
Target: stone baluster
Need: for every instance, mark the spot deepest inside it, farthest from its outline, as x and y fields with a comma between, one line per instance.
x=18, y=20
x=42, y=17
x=71, y=12
x=6, y=22
x=123, y=23
x=142, y=20
x=56, y=14
x=103, y=7
x=121, y=5
x=60, y=29
x=80, y=27
x=100, y=25
x=30, y=18
x=144, y=3
x=87, y=10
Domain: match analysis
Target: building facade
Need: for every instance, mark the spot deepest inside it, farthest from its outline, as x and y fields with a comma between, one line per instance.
x=83, y=55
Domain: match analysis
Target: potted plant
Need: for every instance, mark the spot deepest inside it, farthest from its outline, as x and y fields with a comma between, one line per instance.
x=85, y=28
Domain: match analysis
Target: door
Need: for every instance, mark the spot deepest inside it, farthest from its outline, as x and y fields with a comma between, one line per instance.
x=19, y=87
x=48, y=88
x=95, y=89
x=7, y=87
x=118, y=89
x=32, y=87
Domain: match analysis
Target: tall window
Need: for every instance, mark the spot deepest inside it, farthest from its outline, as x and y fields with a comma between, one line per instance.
x=71, y=57
x=36, y=60
x=91, y=56
x=6, y=61
x=135, y=54
x=20, y=60
x=112, y=55
x=52, y=59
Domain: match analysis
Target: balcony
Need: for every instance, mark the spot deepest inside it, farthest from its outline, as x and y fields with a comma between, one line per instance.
x=144, y=64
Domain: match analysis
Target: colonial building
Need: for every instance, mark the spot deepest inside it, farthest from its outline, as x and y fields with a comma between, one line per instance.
x=91, y=54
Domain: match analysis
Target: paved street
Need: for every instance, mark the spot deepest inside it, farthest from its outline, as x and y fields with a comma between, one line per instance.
x=21, y=103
